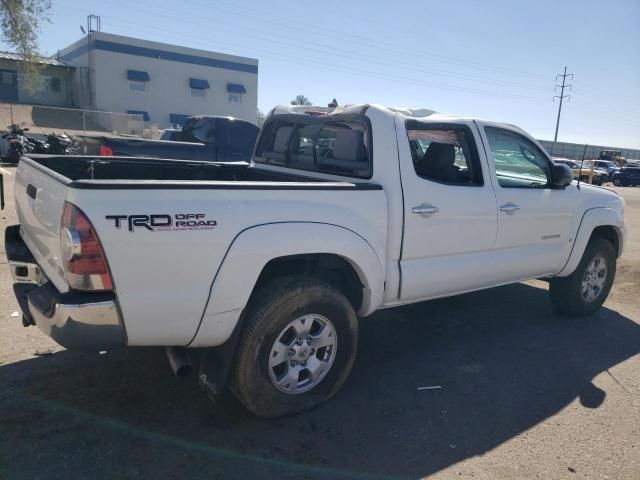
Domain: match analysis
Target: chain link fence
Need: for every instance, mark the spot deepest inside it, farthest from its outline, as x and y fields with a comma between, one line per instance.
x=575, y=151
x=71, y=121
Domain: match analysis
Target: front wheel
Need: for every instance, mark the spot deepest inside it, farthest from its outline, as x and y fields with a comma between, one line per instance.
x=296, y=349
x=617, y=182
x=586, y=289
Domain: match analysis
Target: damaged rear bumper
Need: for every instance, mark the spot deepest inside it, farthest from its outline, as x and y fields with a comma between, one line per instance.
x=75, y=320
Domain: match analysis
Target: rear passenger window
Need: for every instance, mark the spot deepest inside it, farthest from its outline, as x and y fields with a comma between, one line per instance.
x=314, y=144
x=444, y=156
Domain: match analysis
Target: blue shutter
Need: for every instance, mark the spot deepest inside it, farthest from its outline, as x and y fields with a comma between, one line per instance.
x=198, y=83
x=178, y=118
x=236, y=88
x=137, y=76
x=145, y=115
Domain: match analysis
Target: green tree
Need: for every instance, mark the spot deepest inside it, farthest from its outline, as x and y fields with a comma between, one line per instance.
x=20, y=22
x=301, y=100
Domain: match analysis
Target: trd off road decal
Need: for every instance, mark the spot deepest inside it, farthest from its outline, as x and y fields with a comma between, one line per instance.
x=163, y=222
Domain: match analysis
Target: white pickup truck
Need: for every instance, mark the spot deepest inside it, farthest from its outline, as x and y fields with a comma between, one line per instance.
x=262, y=271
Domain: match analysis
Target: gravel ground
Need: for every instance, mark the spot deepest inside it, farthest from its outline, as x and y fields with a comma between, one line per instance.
x=525, y=394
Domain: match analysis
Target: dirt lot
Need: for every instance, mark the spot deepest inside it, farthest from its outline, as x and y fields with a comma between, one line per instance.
x=525, y=394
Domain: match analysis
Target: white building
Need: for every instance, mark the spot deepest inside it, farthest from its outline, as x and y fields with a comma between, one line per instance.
x=165, y=83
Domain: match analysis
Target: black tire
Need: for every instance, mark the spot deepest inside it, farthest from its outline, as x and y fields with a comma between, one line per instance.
x=275, y=306
x=618, y=182
x=566, y=292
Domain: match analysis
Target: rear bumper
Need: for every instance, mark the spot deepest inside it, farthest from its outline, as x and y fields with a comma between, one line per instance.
x=75, y=320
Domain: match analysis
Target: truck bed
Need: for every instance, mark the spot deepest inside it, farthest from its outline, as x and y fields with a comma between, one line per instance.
x=76, y=168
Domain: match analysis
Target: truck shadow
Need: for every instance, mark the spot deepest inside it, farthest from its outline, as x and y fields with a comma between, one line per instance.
x=502, y=361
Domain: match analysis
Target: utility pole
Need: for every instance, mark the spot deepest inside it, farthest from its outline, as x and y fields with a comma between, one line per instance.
x=562, y=96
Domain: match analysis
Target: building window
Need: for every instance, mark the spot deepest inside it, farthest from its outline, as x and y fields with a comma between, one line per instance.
x=198, y=92
x=52, y=84
x=8, y=78
x=177, y=119
x=137, y=86
x=235, y=92
x=141, y=113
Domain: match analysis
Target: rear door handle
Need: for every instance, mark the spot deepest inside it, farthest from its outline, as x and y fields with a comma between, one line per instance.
x=425, y=210
x=32, y=191
x=509, y=207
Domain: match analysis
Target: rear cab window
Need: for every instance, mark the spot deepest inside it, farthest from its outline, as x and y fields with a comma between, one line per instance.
x=333, y=144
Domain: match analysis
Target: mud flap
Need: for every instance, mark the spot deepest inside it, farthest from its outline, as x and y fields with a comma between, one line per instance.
x=215, y=364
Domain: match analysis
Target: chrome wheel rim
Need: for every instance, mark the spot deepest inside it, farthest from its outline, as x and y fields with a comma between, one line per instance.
x=302, y=354
x=594, y=279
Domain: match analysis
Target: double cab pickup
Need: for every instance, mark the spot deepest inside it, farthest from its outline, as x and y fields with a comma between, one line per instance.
x=263, y=270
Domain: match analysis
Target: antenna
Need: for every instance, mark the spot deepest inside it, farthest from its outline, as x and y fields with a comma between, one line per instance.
x=582, y=163
x=83, y=30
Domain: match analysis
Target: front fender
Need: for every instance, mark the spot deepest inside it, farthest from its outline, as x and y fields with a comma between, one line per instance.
x=592, y=218
x=254, y=247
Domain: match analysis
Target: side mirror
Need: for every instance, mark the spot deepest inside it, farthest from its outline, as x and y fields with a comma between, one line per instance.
x=561, y=175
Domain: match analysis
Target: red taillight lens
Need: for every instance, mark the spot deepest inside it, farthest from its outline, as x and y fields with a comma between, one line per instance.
x=105, y=151
x=84, y=262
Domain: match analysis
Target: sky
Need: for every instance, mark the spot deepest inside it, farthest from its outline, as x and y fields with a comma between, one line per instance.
x=492, y=59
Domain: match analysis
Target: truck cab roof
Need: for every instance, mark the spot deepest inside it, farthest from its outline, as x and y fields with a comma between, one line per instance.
x=410, y=113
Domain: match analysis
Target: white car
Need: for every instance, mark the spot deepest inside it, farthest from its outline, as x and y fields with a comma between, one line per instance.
x=264, y=269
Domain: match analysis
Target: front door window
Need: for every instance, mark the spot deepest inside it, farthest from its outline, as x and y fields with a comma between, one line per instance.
x=518, y=162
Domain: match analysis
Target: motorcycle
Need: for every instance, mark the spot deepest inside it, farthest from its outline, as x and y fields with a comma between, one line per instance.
x=38, y=146
x=19, y=145
x=62, y=144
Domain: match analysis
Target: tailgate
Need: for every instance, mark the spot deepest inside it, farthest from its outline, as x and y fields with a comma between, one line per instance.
x=39, y=195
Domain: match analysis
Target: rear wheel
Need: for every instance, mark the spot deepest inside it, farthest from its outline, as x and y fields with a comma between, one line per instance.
x=296, y=349
x=586, y=289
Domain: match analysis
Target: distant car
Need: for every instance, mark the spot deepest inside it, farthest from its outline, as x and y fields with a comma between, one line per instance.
x=626, y=176
x=599, y=176
x=172, y=134
x=607, y=166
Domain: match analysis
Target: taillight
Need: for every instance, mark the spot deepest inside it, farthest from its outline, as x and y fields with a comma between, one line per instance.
x=105, y=151
x=84, y=262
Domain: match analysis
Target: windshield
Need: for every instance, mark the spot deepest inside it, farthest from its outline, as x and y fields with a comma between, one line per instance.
x=198, y=129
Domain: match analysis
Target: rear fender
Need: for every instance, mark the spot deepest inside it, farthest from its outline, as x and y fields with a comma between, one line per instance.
x=592, y=218
x=253, y=248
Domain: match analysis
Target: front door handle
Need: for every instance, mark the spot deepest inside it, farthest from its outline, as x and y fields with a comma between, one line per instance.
x=425, y=210
x=509, y=208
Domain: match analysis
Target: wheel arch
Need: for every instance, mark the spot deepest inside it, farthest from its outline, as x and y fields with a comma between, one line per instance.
x=258, y=254
x=605, y=223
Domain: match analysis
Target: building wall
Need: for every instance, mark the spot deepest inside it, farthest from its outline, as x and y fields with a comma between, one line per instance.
x=41, y=93
x=169, y=70
x=575, y=151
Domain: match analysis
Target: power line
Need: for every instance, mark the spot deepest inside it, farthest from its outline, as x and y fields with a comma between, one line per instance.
x=275, y=37
x=562, y=96
x=347, y=69
x=325, y=30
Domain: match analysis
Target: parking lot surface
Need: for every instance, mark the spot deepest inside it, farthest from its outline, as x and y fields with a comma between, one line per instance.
x=522, y=394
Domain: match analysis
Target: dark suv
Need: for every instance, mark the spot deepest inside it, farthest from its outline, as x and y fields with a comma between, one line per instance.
x=626, y=176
